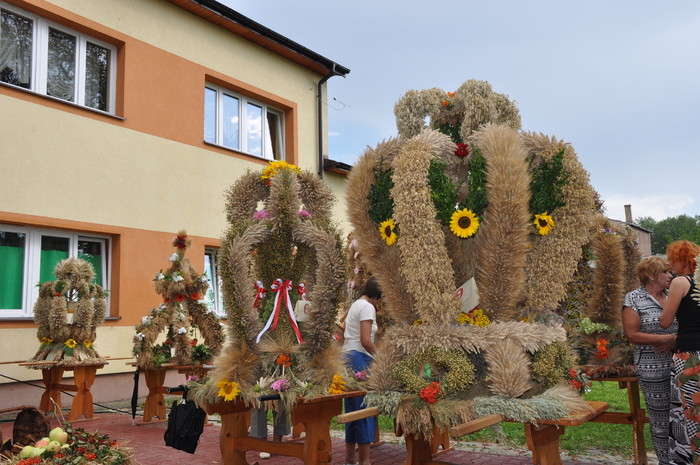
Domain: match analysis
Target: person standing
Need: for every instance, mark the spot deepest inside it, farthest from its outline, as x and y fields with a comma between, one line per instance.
x=653, y=346
x=685, y=392
x=358, y=345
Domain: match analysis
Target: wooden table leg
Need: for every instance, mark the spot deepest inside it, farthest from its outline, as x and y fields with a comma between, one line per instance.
x=84, y=377
x=155, y=401
x=317, y=419
x=638, y=416
x=52, y=378
x=543, y=441
x=417, y=450
x=233, y=425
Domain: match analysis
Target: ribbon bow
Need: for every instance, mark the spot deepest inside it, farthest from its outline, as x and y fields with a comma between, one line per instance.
x=301, y=290
x=260, y=293
x=281, y=288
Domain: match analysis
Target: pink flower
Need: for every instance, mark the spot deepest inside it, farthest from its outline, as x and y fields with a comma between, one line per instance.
x=356, y=270
x=280, y=385
x=361, y=375
x=260, y=214
x=305, y=214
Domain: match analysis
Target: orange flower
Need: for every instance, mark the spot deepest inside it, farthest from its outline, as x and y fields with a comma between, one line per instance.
x=683, y=355
x=284, y=360
x=601, y=343
x=603, y=353
x=445, y=103
x=451, y=94
x=692, y=370
x=430, y=393
x=194, y=296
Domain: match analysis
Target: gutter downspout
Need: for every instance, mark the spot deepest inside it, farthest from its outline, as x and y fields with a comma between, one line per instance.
x=320, y=118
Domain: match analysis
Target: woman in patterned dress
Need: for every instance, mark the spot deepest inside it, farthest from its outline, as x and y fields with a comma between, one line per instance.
x=685, y=392
x=653, y=346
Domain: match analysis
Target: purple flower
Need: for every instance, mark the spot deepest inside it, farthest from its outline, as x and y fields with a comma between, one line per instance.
x=193, y=378
x=280, y=385
x=305, y=214
x=362, y=375
x=260, y=214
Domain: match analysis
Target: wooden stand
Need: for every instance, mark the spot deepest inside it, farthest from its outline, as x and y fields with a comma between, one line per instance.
x=635, y=417
x=314, y=414
x=420, y=451
x=83, y=378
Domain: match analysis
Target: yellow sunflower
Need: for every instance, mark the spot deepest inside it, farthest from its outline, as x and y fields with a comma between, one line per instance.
x=387, y=231
x=46, y=340
x=544, y=223
x=87, y=343
x=228, y=390
x=464, y=223
x=338, y=385
x=71, y=343
x=276, y=166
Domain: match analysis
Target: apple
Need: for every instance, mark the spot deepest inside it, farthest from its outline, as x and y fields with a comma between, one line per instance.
x=26, y=452
x=43, y=442
x=59, y=435
x=65, y=446
x=37, y=452
x=54, y=446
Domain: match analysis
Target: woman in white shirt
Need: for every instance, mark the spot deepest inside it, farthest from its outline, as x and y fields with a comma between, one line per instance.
x=360, y=327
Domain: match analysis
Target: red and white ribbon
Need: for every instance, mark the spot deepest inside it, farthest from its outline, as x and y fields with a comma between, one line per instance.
x=282, y=295
x=301, y=290
x=260, y=293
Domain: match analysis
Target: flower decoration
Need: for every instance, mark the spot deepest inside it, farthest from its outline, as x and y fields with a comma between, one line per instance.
x=283, y=360
x=194, y=296
x=182, y=331
x=430, y=393
x=280, y=385
x=601, y=346
x=46, y=340
x=177, y=278
x=462, y=150
x=464, y=223
x=70, y=343
x=87, y=343
x=361, y=375
x=544, y=223
x=387, y=229
x=146, y=319
x=261, y=215
x=181, y=241
x=476, y=317
x=175, y=257
x=338, y=384
x=229, y=390
x=579, y=380
x=304, y=214
x=180, y=297
x=275, y=167
x=159, y=277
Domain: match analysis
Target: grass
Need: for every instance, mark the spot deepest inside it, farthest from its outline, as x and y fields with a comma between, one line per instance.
x=577, y=440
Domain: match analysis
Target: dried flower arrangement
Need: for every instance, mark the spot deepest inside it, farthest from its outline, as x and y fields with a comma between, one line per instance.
x=183, y=290
x=271, y=257
x=68, y=312
x=490, y=362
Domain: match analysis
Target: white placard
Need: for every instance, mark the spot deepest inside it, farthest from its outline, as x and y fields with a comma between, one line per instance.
x=302, y=310
x=469, y=295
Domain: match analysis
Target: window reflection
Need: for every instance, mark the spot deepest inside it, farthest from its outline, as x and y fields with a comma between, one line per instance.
x=230, y=124
x=254, y=129
x=96, y=76
x=60, y=77
x=15, y=49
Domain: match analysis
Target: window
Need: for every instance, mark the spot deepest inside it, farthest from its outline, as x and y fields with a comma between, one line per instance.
x=29, y=255
x=237, y=122
x=47, y=58
x=211, y=268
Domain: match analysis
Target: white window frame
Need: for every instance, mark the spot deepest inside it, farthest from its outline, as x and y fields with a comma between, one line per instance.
x=40, y=43
x=32, y=262
x=243, y=102
x=215, y=281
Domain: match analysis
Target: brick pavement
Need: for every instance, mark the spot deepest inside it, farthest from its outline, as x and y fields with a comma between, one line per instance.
x=147, y=443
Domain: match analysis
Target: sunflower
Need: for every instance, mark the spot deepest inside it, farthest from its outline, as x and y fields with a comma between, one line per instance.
x=276, y=166
x=337, y=385
x=71, y=343
x=387, y=231
x=87, y=343
x=544, y=223
x=464, y=223
x=228, y=389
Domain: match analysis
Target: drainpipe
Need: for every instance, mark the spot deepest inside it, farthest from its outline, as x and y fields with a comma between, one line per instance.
x=320, y=118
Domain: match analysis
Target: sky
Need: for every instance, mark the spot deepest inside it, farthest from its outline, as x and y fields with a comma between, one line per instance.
x=619, y=80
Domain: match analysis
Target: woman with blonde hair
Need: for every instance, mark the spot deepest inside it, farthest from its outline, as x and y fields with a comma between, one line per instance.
x=653, y=346
x=685, y=392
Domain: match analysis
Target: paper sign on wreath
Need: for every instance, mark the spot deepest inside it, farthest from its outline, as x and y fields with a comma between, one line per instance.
x=302, y=310
x=468, y=294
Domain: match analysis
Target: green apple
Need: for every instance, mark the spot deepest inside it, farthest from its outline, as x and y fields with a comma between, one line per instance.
x=59, y=435
x=54, y=446
x=37, y=452
x=43, y=442
x=26, y=452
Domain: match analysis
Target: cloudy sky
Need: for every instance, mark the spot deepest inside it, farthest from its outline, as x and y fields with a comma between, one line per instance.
x=619, y=80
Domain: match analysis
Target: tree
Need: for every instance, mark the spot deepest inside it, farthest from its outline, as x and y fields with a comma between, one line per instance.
x=670, y=229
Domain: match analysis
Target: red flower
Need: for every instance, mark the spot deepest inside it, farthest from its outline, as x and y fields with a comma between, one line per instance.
x=56, y=294
x=194, y=296
x=167, y=301
x=180, y=297
x=690, y=371
x=430, y=393
x=193, y=342
x=576, y=384
x=445, y=103
x=462, y=150
x=91, y=456
x=573, y=373
x=602, y=353
x=180, y=242
x=284, y=360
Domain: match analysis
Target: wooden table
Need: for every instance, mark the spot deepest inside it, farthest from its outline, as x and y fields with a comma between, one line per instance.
x=635, y=417
x=83, y=378
x=314, y=414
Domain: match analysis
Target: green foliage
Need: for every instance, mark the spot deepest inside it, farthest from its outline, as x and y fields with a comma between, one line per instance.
x=442, y=191
x=451, y=130
x=201, y=353
x=671, y=229
x=381, y=205
x=161, y=354
x=476, y=201
x=548, y=179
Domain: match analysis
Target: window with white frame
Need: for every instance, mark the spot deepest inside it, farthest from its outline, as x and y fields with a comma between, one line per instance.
x=47, y=58
x=29, y=255
x=211, y=269
x=237, y=122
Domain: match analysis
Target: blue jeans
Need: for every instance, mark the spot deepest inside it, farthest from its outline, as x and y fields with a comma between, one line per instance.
x=359, y=431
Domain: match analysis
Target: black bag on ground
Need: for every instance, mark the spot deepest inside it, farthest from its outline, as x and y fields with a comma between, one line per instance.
x=185, y=425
